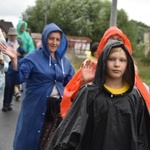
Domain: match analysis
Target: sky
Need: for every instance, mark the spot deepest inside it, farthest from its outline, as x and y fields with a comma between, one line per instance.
x=139, y=10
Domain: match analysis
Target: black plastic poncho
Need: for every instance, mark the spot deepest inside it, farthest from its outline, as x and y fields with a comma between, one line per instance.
x=99, y=120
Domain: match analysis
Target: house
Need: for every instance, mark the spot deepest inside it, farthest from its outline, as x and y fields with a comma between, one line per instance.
x=79, y=42
x=146, y=43
x=37, y=39
x=5, y=25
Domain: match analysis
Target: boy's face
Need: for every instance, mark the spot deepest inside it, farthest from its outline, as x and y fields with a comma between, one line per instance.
x=116, y=64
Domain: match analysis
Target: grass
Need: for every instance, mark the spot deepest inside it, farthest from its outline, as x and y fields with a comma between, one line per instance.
x=144, y=70
x=76, y=62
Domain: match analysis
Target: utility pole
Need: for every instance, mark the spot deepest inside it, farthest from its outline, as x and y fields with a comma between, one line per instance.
x=113, y=15
x=46, y=11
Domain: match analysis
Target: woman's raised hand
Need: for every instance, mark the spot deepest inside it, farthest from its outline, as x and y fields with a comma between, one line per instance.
x=11, y=52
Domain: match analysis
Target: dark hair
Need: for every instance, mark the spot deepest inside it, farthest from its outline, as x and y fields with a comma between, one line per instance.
x=57, y=31
x=94, y=47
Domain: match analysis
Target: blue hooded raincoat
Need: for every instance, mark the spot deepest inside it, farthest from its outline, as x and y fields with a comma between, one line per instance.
x=41, y=73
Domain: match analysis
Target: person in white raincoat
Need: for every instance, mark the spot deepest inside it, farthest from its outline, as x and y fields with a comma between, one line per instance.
x=4, y=60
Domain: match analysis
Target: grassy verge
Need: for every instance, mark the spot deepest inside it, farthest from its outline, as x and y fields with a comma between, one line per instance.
x=76, y=62
x=144, y=71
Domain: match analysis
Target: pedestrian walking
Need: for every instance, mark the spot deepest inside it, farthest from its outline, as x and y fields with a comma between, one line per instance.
x=46, y=71
x=10, y=88
x=4, y=60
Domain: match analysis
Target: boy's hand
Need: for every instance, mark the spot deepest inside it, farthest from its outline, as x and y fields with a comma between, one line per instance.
x=88, y=71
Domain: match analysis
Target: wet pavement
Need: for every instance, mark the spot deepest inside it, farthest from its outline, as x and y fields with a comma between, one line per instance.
x=8, y=122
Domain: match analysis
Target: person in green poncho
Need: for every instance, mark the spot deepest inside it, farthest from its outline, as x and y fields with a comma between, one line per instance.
x=28, y=43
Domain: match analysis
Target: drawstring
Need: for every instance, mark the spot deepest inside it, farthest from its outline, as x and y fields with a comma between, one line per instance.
x=50, y=61
x=62, y=65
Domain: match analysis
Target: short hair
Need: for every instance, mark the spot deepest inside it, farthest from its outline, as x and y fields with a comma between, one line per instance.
x=94, y=47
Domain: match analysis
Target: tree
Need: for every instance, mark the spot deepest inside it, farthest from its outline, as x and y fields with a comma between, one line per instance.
x=78, y=18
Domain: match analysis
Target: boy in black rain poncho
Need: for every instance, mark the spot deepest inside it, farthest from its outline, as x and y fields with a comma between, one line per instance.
x=109, y=113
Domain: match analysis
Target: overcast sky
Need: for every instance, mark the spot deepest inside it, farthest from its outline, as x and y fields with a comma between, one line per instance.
x=11, y=10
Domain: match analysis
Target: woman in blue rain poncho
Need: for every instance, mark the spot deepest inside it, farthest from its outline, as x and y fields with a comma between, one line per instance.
x=46, y=71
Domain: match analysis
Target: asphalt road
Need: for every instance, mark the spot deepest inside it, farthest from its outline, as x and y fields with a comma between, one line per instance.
x=8, y=122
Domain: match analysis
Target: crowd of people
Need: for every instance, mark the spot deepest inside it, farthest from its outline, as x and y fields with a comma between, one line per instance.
x=105, y=105
x=20, y=40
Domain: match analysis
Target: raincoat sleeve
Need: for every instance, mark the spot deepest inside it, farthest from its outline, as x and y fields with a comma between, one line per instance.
x=22, y=74
x=144, y=127
x=30, y=46
x=70, y=92
x=71, y=129
x=143, y=124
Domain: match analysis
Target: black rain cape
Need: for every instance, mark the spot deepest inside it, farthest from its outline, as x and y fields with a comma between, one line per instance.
x=99, y=120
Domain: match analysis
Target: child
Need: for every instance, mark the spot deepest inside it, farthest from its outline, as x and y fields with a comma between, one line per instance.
x=108, y=114
x=92, y=54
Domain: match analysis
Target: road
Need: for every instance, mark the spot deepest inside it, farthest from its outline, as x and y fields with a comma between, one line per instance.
x=8, y=122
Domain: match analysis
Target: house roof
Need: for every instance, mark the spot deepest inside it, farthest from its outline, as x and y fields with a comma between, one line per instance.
x=36, y=35
x=5, y=25
x=79, y=38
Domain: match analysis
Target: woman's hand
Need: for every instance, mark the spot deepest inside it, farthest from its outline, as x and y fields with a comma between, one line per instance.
x=11, y=52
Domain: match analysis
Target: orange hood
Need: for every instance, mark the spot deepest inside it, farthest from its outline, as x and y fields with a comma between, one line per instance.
x=111, y=32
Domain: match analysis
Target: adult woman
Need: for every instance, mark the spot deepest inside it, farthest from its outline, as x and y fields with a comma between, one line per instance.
x=46, y=71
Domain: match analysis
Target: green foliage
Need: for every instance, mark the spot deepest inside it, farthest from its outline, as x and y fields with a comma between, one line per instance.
x=81, y=18
x=86, y=18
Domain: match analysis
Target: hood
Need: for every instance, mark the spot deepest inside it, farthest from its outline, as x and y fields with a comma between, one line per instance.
x=60, y=52
x=99, y=79
x=19, y=26
x=110, y=32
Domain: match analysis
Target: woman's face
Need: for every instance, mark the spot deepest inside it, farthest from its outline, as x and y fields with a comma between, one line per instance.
x=53, y=41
